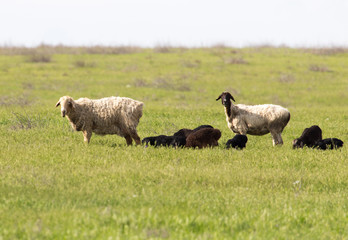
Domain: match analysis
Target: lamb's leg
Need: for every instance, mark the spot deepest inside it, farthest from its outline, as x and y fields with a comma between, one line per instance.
x=87, y=136
x=128, y=140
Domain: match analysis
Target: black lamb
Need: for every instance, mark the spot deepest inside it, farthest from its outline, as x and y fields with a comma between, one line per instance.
x=309, y=137
x=205, y=137
x=238, y=142
x=166, y=141
x=329, y=143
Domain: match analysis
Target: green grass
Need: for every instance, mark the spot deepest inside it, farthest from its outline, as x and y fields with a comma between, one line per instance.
x=53, y=186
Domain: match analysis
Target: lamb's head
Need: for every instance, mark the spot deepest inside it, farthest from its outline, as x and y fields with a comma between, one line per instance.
x=67, y=104
x=226, y=99
x=297, y=143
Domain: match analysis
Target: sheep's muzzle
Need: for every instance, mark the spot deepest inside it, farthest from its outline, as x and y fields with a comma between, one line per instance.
x=63, y=113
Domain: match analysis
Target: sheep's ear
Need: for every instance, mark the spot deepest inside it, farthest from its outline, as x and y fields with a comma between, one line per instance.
x=71, y=104
x=219, y=97
x=58, y=103
x=230, y=96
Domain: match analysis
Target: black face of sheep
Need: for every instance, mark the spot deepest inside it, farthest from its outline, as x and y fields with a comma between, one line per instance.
x=226, y=98
x=329, y=143
x=237, y=142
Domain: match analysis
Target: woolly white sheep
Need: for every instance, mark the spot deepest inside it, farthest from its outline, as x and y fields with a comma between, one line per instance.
x=256, y=119
x=111, y=115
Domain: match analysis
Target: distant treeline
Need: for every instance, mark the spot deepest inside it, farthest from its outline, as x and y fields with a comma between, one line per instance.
x=100, y=49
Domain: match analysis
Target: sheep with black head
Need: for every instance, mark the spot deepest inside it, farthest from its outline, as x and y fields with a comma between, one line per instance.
x=255, y=119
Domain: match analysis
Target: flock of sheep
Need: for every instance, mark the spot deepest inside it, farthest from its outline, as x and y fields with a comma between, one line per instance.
x=121, y=115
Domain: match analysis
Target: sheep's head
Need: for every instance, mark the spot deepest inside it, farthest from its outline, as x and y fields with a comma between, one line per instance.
x=66, y=105
x=226, y=98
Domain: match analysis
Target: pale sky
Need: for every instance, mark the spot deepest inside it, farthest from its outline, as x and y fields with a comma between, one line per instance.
x=191, y=23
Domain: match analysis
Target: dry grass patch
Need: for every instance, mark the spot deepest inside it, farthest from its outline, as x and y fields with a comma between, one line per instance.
x=22, y=121
x=326, y=51
x=319, y=68
x=286, y=78
x=82, y=64
x=235, y=60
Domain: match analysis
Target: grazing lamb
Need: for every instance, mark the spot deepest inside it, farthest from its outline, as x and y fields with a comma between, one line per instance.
x=256, y=119
x=166, y=141
x=112, y=115
x=203, y=138
x=237, y=142
x=329, y=143
x=310, y=136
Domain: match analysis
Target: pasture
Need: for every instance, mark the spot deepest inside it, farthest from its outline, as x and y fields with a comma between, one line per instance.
x=53, y=186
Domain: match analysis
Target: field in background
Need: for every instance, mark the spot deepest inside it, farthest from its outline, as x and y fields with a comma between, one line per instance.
x=53, y=186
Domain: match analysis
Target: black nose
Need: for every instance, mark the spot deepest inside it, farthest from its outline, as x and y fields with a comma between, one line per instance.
x=63, y=113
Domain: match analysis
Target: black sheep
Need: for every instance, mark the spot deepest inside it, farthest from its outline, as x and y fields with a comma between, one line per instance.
x=163, y=140
x=204, y=137
x=166, y=141
x=237, y=142
x=329, y=143
x=309, y=137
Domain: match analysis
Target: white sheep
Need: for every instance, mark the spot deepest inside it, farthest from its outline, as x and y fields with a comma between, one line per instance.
x=111, y=115
x=256, y=119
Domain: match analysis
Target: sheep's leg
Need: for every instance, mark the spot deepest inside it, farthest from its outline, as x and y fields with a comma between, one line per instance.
x=136, y=137
x=87, y=136
x=276, y=138
x=128, y=140
x=280, y=140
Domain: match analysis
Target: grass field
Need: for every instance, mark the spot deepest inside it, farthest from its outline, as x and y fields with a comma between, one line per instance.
x=53, y=186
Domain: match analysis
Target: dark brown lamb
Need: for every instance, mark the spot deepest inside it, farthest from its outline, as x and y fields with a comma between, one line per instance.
x=206, y=137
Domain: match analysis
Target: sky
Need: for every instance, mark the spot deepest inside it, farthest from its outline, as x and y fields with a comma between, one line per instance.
x=189, y=23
